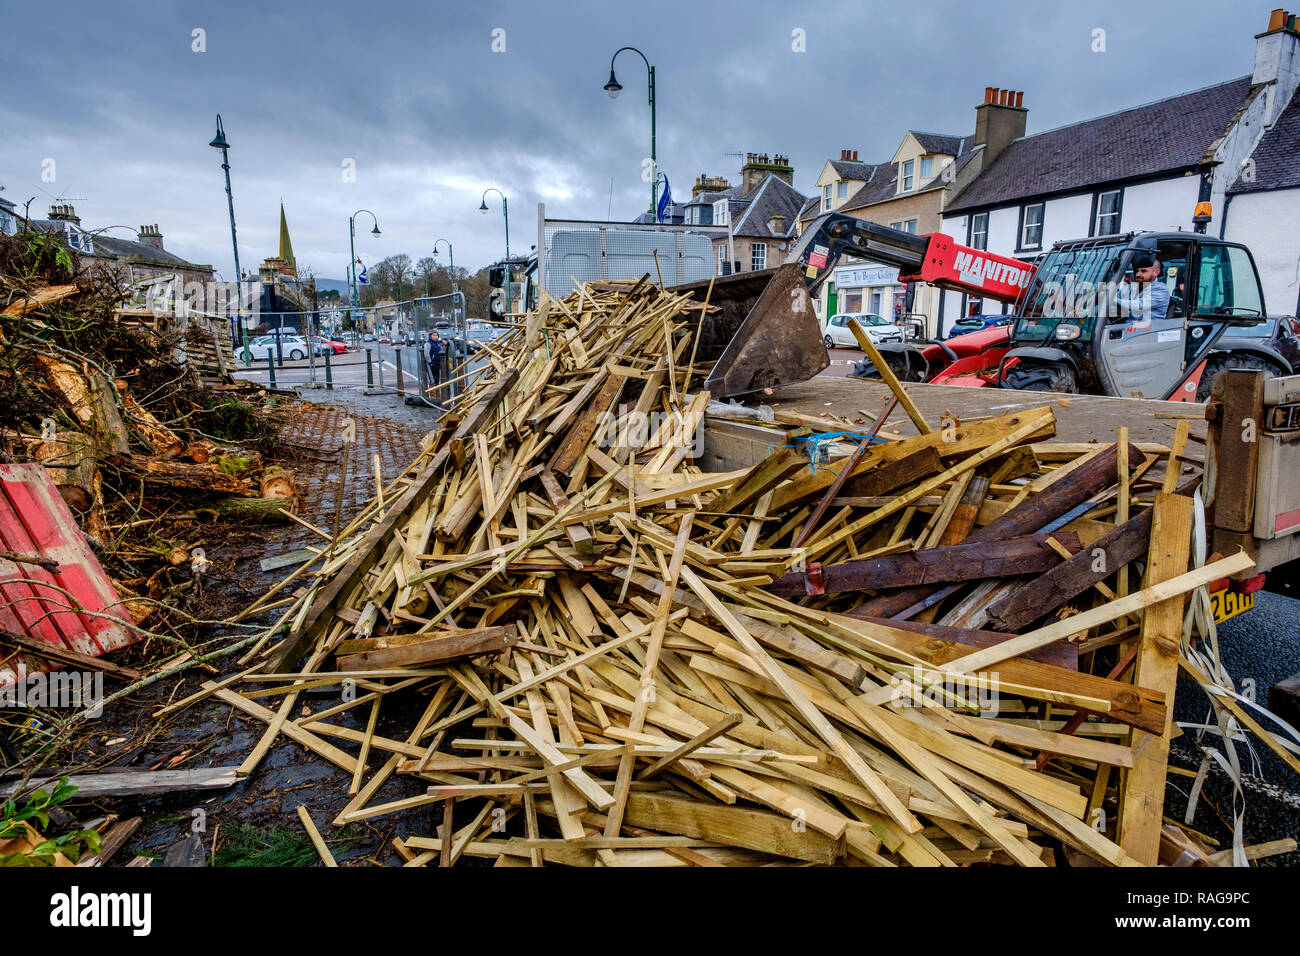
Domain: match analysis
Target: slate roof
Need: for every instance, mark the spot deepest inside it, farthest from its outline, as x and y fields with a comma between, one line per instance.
x=111, y=247
x=850, y=170
x=883, y=184
x=773, y=196
x=810, y=208
x=1168, y=135
x=1277, y=155
x=939, y=182
x=941, y=142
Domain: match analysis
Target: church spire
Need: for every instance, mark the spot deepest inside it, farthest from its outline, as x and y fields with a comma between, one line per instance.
x=286, y=246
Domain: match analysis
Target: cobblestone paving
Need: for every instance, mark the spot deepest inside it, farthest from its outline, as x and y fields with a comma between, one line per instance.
x=386, y=427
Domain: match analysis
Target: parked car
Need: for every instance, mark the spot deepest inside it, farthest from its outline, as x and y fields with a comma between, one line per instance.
x=1281, y=335
x=480, y=333
x=978, y=323
x=326, y=344
x=293, y=348
x=368, y=337
x=838, y=335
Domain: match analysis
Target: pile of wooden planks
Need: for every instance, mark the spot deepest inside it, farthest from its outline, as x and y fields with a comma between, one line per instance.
x=949, y=649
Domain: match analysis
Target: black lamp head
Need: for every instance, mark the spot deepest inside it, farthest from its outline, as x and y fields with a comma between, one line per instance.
x=613, y=87
x=219, y=141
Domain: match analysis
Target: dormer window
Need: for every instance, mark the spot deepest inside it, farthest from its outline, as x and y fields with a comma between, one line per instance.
x=927, y=168
x=841, y=190
x=905, y=177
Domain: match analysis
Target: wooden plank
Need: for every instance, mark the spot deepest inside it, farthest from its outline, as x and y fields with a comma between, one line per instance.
x=1238, y=431
x=815, y=719
x=1045, y=594
x=120, y=783
x=888, y=376
x=578, y=535
x=371, y=546
x=1133, y=603
x=326, y=857
x=1029, y=517
x=758, y=830
x=579, y=435
x=1142, y=788
x=710, y=733
x=976, y=561
x=433, y=650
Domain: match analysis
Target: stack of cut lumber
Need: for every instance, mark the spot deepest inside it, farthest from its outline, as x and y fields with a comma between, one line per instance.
x=950, y=649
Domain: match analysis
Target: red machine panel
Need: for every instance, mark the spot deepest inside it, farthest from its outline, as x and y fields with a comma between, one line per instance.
x=58, y=607
x=950, y=265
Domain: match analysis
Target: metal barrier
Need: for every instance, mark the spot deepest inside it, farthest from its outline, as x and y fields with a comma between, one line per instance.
x=402, y=327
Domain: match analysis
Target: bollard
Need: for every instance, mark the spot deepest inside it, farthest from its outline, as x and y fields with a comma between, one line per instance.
x=370, y=369
x=397, y=361
x=329, y=372
x=270, y=364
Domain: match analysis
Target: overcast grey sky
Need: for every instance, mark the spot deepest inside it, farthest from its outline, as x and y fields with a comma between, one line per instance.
x=414, y=93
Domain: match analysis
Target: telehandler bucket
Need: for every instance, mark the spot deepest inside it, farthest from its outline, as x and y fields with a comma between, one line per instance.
x=760, y=331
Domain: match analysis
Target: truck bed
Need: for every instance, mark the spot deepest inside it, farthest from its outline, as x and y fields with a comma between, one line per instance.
x=1080, y=418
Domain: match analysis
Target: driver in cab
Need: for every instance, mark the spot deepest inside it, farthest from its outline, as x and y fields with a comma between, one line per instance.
x=1145, y=297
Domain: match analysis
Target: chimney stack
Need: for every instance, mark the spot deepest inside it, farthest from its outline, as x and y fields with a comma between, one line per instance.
x=999, y=120
x=63, y=212
x=759, y=165
x=1277, y=62
x=150, y=236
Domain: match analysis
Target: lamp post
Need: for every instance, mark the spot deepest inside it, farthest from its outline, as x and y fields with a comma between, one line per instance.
x=220, y=142
x=451, y=256
x=613, y=88
x=505, y=211
x=352, y=262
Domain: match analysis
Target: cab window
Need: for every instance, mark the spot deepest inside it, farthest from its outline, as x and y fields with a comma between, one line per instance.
x=1226, y=283
x=1173, y=273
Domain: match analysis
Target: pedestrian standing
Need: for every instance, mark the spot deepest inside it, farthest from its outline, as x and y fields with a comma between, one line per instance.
x=434, y=353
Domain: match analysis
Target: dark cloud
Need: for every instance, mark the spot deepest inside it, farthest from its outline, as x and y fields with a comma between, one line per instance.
x=431, y=115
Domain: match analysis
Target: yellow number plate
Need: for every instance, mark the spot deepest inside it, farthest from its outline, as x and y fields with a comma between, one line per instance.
x=1226, y=604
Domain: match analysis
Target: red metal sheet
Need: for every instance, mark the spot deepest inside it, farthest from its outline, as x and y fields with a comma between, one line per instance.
x=58, y=607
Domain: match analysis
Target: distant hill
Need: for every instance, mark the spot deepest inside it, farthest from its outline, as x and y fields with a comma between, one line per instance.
x=332, y=285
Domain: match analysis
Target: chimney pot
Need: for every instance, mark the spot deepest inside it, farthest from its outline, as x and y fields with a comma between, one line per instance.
x=1002, y=97
x=1020, y=97
x=1277, y=19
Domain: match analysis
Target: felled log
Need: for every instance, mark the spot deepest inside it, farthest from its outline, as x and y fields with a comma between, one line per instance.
x=69, y=458
x=277, y=482
x=40, y=299
x=165, y=442
x=88, y=395
x=254, y=510
x=181, y=474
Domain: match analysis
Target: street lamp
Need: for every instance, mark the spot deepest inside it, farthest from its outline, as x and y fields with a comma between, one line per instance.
x=352, y=262
x=220, y=142
x=613, y=88
x=505, y=211
x=451, y=255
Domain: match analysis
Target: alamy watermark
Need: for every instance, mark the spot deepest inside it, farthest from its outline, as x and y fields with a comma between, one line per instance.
x=57, y=690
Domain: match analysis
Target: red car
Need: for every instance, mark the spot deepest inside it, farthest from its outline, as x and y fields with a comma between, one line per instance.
x=338, y=347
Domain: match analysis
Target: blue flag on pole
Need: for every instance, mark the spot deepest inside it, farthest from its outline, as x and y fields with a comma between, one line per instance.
x=665, y=201
x=361, y=277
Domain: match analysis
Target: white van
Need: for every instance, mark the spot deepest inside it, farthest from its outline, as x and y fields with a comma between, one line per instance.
x=838, y=335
